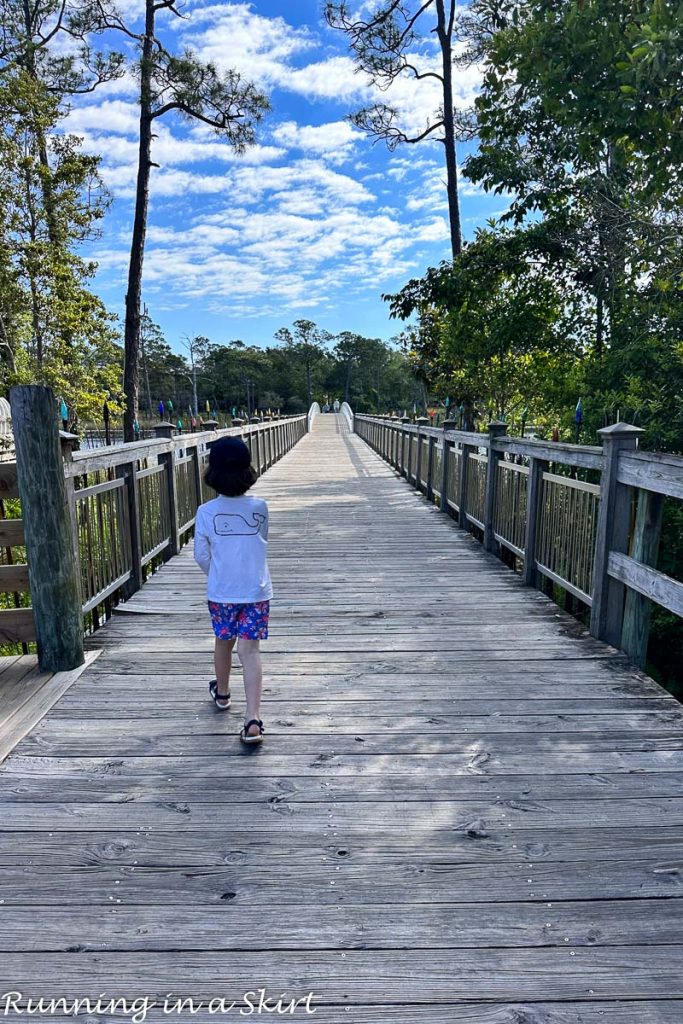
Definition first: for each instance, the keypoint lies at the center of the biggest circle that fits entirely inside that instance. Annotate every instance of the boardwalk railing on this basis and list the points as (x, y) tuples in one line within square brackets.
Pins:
[(16, 620), (597, 539), (128, 508)]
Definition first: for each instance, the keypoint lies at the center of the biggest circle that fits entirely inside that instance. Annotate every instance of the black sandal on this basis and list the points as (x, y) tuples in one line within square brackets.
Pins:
[(244, 735), (216, 696)]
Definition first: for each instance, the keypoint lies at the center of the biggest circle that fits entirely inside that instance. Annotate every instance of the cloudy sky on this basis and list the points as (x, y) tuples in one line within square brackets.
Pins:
[(314, 221)]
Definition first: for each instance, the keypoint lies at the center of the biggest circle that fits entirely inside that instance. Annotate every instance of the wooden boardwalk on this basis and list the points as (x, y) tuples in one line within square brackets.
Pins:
[(465, 810)]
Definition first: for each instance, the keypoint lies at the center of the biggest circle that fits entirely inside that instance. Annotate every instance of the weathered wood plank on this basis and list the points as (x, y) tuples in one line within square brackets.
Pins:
[(11, 532), (291, 815), (649, 582), (58, 787), (653, 471), (597, 765), (13, 577), (31, 711), (628, 1011), (203, 719), (228, 845), (429, 976), (17, 625), (85, 739), (357, 926)]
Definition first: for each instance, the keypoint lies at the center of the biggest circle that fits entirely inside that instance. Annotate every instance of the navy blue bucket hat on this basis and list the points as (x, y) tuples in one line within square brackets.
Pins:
[(229, 453)]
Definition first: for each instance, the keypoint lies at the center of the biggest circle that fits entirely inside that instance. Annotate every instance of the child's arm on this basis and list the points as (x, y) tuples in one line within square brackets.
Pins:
[(202, 550), (263, 529)]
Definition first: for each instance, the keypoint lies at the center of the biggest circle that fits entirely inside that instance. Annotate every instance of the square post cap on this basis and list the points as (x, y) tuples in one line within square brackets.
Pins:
[(620, 432), (68, 442), (164, 429), (497, 429), (211, 424)]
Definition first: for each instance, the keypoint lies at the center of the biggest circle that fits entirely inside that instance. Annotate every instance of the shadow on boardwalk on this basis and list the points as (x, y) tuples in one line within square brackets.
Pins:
[(465, 808)]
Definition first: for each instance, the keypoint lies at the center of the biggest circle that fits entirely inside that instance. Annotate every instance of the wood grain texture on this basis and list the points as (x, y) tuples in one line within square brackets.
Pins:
[(17, 625), (465, 810), (52, 568)]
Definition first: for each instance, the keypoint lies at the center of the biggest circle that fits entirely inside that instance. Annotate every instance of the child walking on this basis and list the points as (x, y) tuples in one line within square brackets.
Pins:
[(230, 545)]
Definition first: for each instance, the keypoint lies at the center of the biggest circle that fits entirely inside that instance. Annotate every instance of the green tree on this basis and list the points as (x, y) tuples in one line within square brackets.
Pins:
[(306, 345), (558, 133), (54, 330), (494, 328)]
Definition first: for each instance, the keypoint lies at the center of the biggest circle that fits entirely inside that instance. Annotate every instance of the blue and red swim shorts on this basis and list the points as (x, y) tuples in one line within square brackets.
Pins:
[(246, 620)]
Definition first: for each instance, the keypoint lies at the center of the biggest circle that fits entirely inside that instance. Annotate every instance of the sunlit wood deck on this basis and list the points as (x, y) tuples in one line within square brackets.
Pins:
[(466, 809)]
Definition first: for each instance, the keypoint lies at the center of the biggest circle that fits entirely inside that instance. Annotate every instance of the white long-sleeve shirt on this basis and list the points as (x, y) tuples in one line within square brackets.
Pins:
[(230, 545)]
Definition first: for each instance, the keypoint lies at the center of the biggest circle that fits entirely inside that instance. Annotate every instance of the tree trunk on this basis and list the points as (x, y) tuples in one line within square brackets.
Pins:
[(131, 360), (195, 401), (445, 35), (145, 366), (41, 142)]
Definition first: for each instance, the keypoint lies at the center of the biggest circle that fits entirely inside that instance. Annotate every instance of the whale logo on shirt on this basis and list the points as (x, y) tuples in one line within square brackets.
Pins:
[(234, 525)]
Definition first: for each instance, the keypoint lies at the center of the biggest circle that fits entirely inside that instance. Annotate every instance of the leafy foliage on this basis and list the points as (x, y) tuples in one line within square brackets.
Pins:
[(53, 330)]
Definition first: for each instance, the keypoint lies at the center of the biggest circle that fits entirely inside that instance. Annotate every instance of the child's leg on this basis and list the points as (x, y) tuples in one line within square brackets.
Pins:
[(250, 656), (222, 659)]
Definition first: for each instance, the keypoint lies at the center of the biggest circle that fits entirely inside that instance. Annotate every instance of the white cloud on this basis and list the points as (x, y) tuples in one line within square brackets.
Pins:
[(235, 36), (105, 116), (334, 140), (298, 222)]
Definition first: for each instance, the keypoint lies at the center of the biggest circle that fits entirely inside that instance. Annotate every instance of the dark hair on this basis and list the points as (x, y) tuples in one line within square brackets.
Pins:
[(230, 481)]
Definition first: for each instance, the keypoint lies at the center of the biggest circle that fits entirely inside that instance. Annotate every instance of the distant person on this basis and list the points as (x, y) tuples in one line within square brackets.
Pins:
[(336, 405), (230, 545)]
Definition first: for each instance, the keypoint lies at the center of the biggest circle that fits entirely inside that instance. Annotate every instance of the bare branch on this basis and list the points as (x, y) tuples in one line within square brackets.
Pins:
[(169, 5), (380, 121), (422, 74), (221, 122)]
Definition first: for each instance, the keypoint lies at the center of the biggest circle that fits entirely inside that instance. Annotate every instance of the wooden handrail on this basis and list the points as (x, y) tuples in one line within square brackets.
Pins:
[(119, 511), (587, 533)]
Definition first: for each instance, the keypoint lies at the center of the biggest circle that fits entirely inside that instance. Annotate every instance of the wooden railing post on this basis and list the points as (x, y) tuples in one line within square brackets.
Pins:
[(537, 468), (167, 459), (128, 472), (495, 430), (644, 548), (196, 474), (607, 609), (52, 565)]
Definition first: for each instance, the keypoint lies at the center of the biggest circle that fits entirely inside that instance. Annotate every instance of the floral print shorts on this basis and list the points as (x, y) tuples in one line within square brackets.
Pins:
[(246, 620)]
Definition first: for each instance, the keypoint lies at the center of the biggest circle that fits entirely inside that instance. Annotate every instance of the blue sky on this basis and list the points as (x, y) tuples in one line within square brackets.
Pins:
[(314, 221)]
